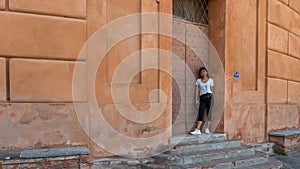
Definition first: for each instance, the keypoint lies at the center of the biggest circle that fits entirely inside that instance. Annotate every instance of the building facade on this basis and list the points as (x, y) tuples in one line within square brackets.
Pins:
[(57, 89)]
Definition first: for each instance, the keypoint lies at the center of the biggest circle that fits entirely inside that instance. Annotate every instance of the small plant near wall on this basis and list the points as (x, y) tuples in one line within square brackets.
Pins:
[(280, 151)]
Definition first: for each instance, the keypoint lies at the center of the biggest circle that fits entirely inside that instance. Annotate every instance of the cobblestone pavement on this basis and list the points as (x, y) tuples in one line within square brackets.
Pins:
[(292, 161)]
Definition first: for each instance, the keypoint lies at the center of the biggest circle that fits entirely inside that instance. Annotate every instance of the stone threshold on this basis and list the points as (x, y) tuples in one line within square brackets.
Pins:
[(287, 140), (285, 133), (44, 153)]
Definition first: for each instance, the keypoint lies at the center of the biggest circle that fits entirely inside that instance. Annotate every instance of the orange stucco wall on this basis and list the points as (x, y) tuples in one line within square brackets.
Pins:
[(261, 40), (283, 64), (216, 15), (43, 40)]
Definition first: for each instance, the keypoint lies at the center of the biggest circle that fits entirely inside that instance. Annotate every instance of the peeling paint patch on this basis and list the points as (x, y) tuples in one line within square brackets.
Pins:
[(54, 137), (26, 118), (149, 130), (35, 125)]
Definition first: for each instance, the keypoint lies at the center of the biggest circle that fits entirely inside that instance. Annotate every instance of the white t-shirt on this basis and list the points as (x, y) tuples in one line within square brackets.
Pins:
[(205, 87)]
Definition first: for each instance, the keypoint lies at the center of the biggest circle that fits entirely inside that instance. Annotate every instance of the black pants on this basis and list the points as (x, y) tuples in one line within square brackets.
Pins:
[(206, 104)]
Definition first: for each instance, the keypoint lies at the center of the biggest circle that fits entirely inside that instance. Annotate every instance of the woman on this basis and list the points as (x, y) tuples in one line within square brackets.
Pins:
[(204, 83)]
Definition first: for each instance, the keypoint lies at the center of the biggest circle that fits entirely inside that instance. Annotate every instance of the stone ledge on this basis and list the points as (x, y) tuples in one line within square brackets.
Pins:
[(44, 153), (17, 162), (285, 133), (187, 138), (288, 140), (119, 161)]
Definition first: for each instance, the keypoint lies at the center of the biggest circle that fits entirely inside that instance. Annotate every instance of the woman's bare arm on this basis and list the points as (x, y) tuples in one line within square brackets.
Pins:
[(197, 95)]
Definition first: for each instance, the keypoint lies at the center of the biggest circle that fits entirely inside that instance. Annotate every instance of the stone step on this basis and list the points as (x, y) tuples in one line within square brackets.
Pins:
[(68, 157), (44, 152), (196, 147), (271, 164), (264, 147), (285, 133), (118, 162), (286, 139), (237, 162), (159, 166), (196, 138), (202, 156)]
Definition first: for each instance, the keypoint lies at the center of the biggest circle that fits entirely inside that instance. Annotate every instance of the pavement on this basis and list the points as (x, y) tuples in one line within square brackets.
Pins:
[(291, 161)]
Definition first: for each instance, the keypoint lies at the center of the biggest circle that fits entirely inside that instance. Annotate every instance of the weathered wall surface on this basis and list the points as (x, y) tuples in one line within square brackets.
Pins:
[(38, 54), (262, 41), (142, 84), (41, 44), (216, 15), (283, 64), (245, 47)]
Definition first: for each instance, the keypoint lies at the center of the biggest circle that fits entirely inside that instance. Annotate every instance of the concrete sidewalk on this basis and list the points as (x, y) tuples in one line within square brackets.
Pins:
[(292, 161)]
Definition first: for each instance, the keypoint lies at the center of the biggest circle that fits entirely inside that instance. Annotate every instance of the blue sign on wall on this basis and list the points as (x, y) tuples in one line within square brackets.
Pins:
[(236, 75)]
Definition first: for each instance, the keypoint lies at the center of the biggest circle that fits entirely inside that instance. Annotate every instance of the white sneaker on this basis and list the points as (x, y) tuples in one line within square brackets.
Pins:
[(207, 131), (196, 132)]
